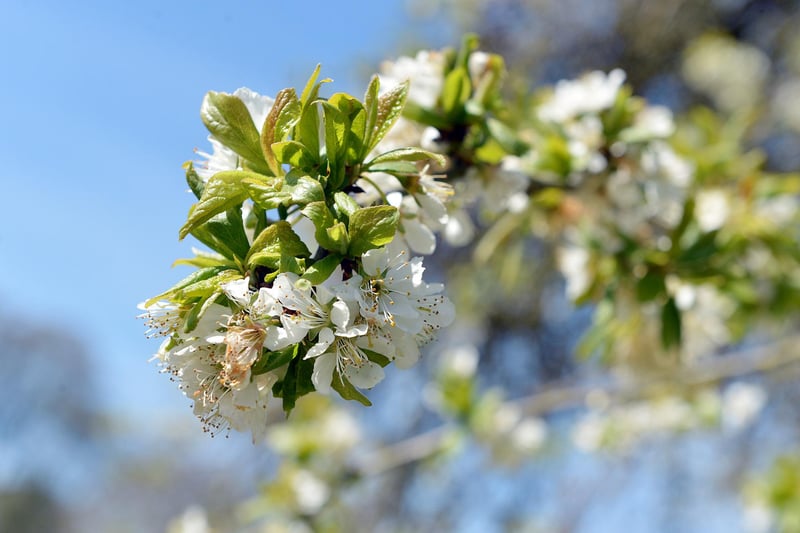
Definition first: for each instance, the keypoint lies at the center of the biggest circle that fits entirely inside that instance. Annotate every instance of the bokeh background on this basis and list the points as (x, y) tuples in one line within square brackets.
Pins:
[(100, 109)]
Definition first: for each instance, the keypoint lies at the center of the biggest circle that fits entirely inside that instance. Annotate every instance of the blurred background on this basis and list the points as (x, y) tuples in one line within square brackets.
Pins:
[(101, 109)]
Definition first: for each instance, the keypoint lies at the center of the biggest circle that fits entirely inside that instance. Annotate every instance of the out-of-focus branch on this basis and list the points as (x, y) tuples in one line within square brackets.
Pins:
[(771, 357)]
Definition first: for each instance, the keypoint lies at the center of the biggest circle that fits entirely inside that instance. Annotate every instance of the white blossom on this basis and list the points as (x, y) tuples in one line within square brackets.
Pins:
[(594, 92)]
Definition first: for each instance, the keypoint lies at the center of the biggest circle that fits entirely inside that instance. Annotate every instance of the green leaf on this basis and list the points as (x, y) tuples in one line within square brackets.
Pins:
[(228, 229), (344, 204), (331, 239), (397, 168), (273, 244), (273, 360), (266, 192), (506, 137), (223, 191), (347, 391), (303, 189), (344, 135), (204, 235), (194, 277), (650, 286), (198, 310), (311, 89), (456, 92), (389, 108), (229, 120), (405, 154), (296, 383), (205, 259), (322, 269), (701, 251), (206, 287), (429, 117), (371, 99), (334, 145), (352, 111), (379, 358), (195, 182), (670, 325), (372, 227), (278, 125), (338, 235), (295, 154)]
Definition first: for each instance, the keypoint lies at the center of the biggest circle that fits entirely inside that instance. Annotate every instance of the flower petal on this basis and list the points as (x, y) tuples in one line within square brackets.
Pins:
[(324, 340), (323, 372), (365, 376)]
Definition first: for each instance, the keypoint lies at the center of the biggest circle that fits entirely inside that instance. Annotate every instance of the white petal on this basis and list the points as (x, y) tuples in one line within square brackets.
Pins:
[(407, 351), (340, 315), (365, 376), (324, 340), (459, 230), (323, 372), (375, 261), (356, 331), (238, 291), (279, 338), (265, 304), (377, 343), (420, 238), (433, 207)]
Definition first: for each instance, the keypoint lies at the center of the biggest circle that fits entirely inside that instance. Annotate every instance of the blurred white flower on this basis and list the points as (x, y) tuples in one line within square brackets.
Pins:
[(712, 209), (460, 360), (741, 404), (310, 492), (592, 93), (529, 435), (425, 72), (192, 520)]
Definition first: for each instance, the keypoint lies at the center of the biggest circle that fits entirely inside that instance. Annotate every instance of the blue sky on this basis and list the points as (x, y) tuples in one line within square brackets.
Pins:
[(100, 109)]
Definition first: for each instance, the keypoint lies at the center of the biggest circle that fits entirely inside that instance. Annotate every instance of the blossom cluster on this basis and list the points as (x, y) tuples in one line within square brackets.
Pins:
[(310, 286)]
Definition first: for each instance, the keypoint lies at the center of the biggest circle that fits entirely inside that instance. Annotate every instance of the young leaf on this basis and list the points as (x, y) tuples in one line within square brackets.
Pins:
[(456, 92), (296, 383), (195, 182), (405, 154), (274, 360), (194, 277), (670, 324), (344, 204), (371, 100), (347, 391), (228, 228), (275, 243), (282, 117), (323, 219), (322, 269), (229, 120), (390, 107), (198, 310), (650, 286), (265, 192), (372, 227), (303, 189), (506, 137), (223, 191), (294, 154), (206, 287)]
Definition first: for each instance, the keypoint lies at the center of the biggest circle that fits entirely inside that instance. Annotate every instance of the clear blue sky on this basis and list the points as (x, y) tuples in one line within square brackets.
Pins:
[(100, 107)]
